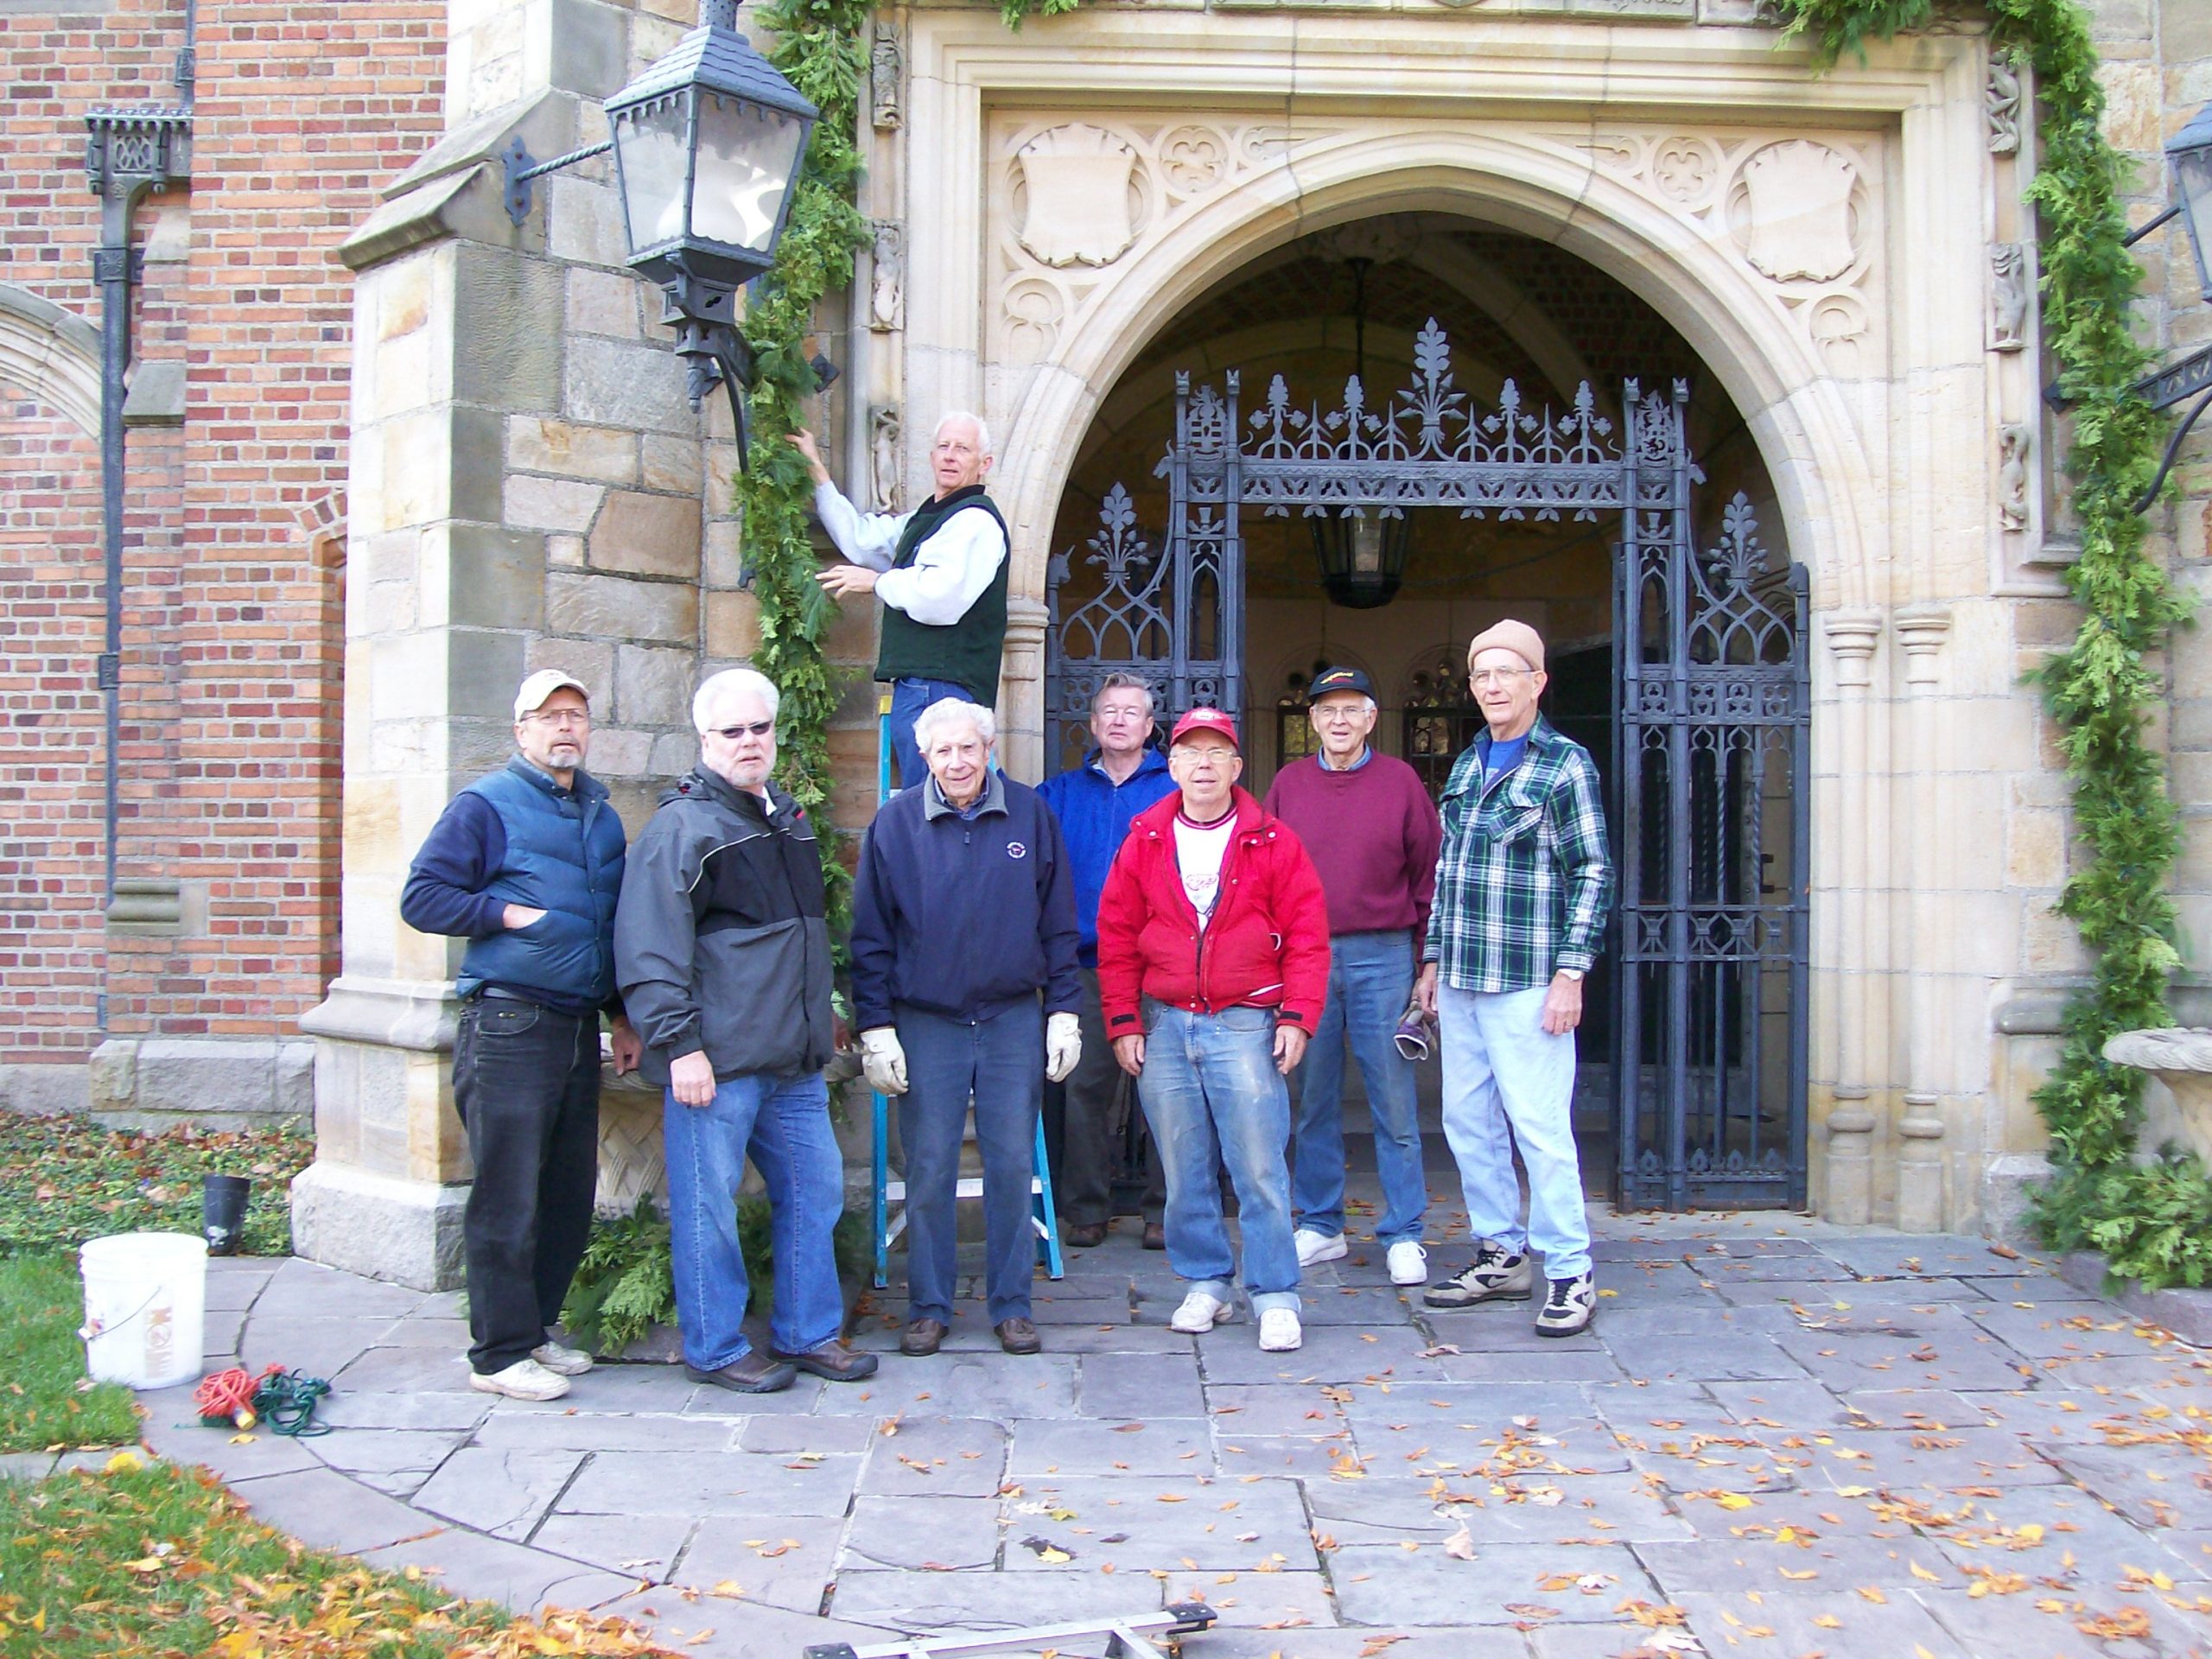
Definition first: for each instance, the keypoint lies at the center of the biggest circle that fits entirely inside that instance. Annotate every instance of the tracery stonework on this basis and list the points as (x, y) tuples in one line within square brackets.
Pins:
[(1078, 194)]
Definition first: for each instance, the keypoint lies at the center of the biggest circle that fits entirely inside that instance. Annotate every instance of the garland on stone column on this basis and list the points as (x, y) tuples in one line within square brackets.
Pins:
[(2154, 1222)]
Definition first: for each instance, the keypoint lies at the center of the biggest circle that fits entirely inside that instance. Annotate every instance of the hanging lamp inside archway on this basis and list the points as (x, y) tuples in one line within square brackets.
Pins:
[(1362, 551)]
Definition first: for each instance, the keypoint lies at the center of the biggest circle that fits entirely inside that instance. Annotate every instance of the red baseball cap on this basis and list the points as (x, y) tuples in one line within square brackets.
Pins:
[(1205, 720)]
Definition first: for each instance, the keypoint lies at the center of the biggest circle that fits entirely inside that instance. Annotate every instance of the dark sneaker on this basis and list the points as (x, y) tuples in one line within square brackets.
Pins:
[(1018, 1335), (1496, 1275), (1568, 1305), (1155, 1236), (833, 1360), (757, 1373), (1085, 1236), (920, 1339)]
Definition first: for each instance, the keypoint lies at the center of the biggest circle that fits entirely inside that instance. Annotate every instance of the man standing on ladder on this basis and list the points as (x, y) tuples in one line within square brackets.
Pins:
[(965, 986), (1095, 802), (941, 573), (1520, 896)]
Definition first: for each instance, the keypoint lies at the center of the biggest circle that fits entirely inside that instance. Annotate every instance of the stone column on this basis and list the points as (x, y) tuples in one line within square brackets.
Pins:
[(1848, 1175), (1921, 632), (1021, 691), (524, 492)]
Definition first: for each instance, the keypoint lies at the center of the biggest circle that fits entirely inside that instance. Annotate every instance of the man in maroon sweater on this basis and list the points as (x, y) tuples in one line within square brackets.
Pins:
[(1373, 835)]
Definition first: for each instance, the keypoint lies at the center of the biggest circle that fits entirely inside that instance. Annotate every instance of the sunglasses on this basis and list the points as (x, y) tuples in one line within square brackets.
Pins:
[(756, 728)]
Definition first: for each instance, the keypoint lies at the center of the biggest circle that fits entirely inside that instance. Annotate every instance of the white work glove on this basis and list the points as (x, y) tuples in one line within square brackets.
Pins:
[(1063, 1046), (884, 1061)]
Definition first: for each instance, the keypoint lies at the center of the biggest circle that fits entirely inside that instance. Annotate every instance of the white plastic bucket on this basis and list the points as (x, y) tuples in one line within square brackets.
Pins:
[(145, 1307)]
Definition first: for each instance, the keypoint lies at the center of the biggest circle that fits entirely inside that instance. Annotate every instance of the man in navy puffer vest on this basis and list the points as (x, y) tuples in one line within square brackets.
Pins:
[(526, 865)]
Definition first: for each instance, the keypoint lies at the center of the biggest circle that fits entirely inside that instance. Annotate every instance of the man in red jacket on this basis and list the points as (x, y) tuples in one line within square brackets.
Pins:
[(1213, 966)]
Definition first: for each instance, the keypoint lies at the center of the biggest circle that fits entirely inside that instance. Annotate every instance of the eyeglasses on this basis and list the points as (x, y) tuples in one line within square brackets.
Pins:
[(756, 728), (560, 717), (1497, 677), (1336, 711)]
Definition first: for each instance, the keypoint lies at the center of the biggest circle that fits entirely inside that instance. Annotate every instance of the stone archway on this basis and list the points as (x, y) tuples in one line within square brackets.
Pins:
[(53, 353)]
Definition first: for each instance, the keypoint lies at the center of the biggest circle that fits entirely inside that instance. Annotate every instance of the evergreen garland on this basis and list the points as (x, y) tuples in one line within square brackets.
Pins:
[(2154, 1222)]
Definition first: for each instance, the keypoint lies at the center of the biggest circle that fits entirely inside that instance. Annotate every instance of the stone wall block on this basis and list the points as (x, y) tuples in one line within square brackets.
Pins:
[(672, 464), (495, 578), (723, 557), (616, 607), (604, 302), (647, 535), (674, 754), (653, 688), (532, 503), (638, 388), (590, 46), (536, 443), (506, 356), (733, 627), (583, 223), (112, 1075), (591, 661), (621, 752), (484, 667), (478, 464)]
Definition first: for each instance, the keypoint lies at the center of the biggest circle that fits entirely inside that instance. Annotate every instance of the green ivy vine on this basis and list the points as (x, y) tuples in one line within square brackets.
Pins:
[(2153, 1222)]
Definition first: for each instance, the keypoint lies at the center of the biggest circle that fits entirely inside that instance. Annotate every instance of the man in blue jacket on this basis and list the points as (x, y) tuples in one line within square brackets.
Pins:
[(963, 919), (526, 865), (1095, 803)]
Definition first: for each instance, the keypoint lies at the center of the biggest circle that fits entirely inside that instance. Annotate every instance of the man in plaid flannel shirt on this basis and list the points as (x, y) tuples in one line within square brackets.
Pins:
[(1521, 893)]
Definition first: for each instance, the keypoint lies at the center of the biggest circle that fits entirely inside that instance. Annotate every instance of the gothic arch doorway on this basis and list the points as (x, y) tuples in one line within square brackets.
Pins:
[(1700, 723)]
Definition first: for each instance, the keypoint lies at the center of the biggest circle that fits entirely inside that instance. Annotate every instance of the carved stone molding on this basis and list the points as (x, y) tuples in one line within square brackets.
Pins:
[(1797, 204), (1076, 207), (1852, 636), (1921, 632)]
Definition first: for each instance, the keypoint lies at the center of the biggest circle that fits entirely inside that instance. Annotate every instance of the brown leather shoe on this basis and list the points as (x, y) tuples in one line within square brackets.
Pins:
[(920, 1339), (757, 1373), (1155, 1236), (833, 1360), (1085, 1236), (1018, 1335)]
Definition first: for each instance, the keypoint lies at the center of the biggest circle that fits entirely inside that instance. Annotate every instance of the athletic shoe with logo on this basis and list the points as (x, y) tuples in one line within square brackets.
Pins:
[(1409, 1263), (1496, 1275), (1568, 1305)]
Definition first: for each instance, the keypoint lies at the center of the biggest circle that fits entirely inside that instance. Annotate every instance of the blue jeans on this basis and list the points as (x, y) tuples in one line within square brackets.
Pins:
[(1000, 1062), (784, 1123), (908, 699), (1213, 1097), (1508, 1082), (1370, 981)]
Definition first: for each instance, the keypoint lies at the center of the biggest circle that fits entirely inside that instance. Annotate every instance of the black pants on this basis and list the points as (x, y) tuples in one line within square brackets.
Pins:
[(1095, 1095), (525, 1079)]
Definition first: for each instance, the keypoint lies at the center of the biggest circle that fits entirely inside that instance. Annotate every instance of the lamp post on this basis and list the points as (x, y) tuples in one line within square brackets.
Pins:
[(2190, 152), (707, 142)]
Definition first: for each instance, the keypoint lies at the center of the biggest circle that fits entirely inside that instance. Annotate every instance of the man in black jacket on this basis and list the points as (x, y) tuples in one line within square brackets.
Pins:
[(963, 915), (721, 946)]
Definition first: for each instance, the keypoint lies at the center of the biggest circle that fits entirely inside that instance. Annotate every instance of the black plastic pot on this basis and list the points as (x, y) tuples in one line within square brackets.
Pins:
[(222, 1211)]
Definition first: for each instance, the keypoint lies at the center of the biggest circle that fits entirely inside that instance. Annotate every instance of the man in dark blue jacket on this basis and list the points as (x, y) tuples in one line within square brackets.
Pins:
[(1095, 803), (963, 915), (526, 865)]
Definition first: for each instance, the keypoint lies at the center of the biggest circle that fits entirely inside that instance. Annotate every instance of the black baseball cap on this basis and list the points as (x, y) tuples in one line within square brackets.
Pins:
[(1338, 679)]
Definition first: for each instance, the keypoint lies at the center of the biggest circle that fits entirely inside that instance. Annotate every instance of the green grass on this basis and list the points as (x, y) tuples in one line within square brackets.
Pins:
[(43, 1399), (66, 1179), (158, 1561)]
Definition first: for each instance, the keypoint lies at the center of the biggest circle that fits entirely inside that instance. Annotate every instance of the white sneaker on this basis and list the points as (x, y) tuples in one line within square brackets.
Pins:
[(562, 1361), (1318, 1246), (1279, 1332), (523, 1380), (1201, 1310), (1409, 1263)]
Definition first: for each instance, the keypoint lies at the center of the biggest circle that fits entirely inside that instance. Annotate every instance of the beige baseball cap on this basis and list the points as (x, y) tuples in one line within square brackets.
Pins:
[(543, 684), (1515, 636)]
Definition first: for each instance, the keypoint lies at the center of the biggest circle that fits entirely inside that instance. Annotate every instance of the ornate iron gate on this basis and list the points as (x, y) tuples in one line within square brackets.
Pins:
[(1708, 789)]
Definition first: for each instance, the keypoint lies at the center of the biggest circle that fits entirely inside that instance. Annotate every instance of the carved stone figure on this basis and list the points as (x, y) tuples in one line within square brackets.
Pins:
[(884, 68), (2000, 103), (883, 456), (887, 302), (2012, 477), (2008, 297)]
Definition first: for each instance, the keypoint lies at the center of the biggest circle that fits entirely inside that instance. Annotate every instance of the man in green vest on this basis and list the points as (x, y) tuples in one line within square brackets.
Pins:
[(941, 573)]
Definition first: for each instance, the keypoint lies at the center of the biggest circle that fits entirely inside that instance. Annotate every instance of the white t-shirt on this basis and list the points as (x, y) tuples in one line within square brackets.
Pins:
[(1199, 851)]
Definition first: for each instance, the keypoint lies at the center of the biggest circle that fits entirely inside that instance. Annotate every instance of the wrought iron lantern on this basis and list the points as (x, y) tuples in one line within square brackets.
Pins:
[(707, 143), (1361, 550), (2190, 151)]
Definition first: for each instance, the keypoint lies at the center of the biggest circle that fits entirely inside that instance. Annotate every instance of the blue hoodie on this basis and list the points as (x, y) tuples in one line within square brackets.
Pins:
[(1095, 814)]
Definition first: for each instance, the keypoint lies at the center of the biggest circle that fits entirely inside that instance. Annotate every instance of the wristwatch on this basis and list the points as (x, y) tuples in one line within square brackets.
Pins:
[(1573, 975)]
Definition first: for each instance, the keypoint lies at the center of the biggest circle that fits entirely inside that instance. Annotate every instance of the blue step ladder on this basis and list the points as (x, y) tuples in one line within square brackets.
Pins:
[(889, 1191)]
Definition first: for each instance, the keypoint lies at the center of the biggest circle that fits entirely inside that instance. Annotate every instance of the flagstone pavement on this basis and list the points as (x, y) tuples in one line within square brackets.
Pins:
[(1780, 1438)]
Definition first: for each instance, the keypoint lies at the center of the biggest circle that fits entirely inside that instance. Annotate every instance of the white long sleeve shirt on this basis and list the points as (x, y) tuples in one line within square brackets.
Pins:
[(950, 570)]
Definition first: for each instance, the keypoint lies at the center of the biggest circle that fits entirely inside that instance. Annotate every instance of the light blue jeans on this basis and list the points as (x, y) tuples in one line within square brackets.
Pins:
[(908, 699), (784, 1123), (1508, 1082), (1213, 1097), (1370, 980)]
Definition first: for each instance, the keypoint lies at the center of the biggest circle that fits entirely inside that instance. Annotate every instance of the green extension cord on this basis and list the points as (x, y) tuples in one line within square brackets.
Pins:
[(286, 1402)]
